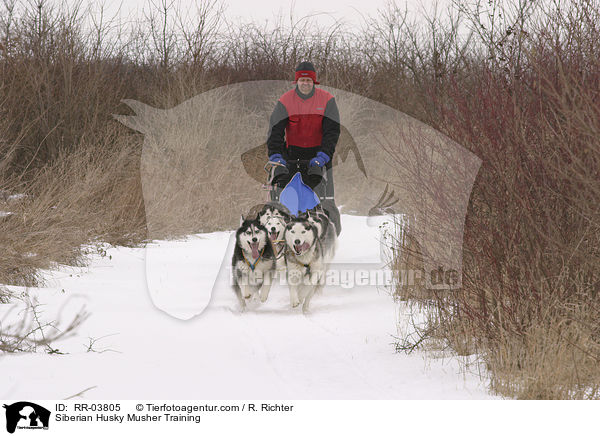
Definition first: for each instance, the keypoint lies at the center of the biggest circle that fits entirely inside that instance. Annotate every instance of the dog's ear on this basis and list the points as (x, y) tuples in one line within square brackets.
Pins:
[(242, 219)]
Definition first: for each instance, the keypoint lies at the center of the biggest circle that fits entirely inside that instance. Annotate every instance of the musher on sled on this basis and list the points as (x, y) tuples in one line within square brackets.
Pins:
[(303, 131)]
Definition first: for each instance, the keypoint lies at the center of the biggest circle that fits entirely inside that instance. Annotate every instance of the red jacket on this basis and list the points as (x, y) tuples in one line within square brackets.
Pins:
[(305, 124), (309, 122)]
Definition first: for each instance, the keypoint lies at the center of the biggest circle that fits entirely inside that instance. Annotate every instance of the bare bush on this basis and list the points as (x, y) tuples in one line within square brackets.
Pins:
[(531, 266), (30, 332)]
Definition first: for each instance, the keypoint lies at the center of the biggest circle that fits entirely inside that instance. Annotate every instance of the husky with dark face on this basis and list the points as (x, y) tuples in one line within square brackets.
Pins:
[(325, 228), (253, 262), (304, 261)]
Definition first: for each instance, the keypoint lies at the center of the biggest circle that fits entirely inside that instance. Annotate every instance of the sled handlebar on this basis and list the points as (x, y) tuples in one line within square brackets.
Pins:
[(270, 164), (299, 161), (275, 169)]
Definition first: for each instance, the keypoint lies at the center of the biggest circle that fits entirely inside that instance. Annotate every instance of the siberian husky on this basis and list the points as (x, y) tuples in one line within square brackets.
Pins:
[(275, 226), (273, 209), (325, 229), (253, 262), (304, 261)]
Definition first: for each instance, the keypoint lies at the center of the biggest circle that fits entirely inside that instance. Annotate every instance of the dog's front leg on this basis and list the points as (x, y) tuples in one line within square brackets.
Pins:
[(294, 299), (309, 295), (238, 294), (314, 286), (266, 286), (294, 278), (246, 291), (247, 285)]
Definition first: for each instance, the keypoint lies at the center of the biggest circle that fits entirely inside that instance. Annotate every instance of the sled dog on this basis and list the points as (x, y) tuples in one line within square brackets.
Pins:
[(253, 262), (304, 261), (275, 226), (325, 230), (273, 209)]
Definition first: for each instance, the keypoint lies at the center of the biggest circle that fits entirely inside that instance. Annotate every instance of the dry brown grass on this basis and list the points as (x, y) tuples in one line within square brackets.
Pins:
[(86, 196)]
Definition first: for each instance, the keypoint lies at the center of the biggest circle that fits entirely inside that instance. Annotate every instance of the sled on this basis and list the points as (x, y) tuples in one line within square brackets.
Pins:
[(297, 195)]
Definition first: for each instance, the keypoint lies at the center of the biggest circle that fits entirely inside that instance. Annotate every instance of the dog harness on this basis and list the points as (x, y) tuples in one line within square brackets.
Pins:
[(305, 265), (279, 246), (279, 252), (253, 265)]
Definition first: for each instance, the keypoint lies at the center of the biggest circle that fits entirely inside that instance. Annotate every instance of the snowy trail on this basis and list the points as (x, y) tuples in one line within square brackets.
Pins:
[(343, 349)]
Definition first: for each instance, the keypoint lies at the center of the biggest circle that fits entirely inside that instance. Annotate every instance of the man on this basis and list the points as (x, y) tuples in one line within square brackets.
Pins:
[(305, 125)]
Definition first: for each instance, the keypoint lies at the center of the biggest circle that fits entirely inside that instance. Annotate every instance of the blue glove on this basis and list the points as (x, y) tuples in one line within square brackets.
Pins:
[(277, 158), (320, 160)]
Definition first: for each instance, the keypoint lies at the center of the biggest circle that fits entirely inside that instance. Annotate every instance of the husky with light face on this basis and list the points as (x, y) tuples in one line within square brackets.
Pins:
[(304, 261), (275, 226), (253, 262)]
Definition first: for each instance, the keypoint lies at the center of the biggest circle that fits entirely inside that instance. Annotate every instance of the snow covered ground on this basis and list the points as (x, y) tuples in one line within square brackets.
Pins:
[(165, 324)]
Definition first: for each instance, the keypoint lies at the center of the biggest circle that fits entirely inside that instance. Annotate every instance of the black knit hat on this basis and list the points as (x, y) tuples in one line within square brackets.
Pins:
[(306, 69), (305, 66)]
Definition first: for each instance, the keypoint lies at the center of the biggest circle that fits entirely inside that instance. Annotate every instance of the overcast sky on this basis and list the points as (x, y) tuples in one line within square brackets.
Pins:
[(261, 11), (348, 10)]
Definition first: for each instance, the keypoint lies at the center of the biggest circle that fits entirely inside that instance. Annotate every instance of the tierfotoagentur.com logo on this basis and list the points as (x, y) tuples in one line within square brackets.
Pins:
[(26, 415)]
